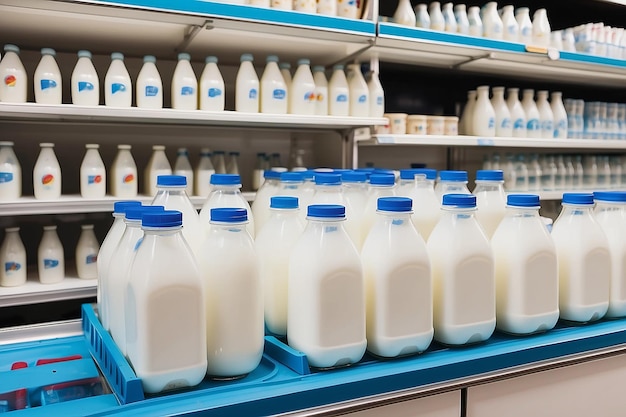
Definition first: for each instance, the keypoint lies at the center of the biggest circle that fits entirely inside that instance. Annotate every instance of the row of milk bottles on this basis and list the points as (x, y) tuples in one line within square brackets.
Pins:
[(341, 8), (50, 256), (514, 118)]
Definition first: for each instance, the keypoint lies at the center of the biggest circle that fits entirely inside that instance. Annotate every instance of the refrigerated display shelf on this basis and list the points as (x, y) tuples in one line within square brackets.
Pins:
[(33, 292)]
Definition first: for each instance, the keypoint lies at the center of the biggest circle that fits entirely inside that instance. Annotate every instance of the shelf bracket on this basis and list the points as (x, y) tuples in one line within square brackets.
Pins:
[(458, 65), (190, 33)]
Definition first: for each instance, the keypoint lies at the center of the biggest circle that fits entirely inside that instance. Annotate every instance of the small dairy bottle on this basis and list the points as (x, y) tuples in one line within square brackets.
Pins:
[(509, 24), (419, 185), (285, 70), (165, 307), (464, 288), (302, 91), (273, 88), (466, 125), (327, 7), (247, 86), (212, 90), (546, 117), (326, 293), (233, 163), (85, 82), (475, 22), (451, 182), (259, 169), (492, 24), (226, 192), (282, 4), (124, 173), (149, 85), (422, 19), (522, 15), (518, 115), (182, 166), (219, 162), (12, 259), (484, 116), (533, 123), (347, 8), (541, 28), (610, 213), (157, 165), (118, 87), (47, 174), (203, 172), (584, 258), (504, 126), (490, 199), (86, 255), (359, 92), (184, 85), (338, 93), (462, 21), (48, 84), (376, 96), (261, 204), (398, 283), (10, 173), (50, 258), (527, 280), (380, 185), (560, 115), (292, 184), (321, 90), (92, 174), (449, 18), (14, 85), (437, 21), (404, 14)]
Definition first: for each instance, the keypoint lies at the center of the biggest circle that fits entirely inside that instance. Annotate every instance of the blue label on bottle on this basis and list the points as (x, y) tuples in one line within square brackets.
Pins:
[(85, 86), (506, 123), (253, 93), (50, 263), (45, 84), (492, 123), (380, 101), (362, 98), (152, 90), (532, 124), (215, 92), (309, 96), (342, 98), (94, 179), (546, 125), (6, 177), (12, 267), (186, 91), (526, 31), (91, 259), (279, 94), (117, 88), (518, 124)]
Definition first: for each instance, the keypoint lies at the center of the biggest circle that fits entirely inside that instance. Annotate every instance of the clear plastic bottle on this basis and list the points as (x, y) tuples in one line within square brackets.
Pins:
[(492, 24), (233, 163), (12, 259), (85, 82), (118, 86), (338, 93), (219, 162), (546, 117), (261, 204), (422, 19), (376, 96), (559, 114), (87, 250), (10, 173), (533, 123), (359, 92), (321, 90), (247, 86), (212, 90), (302, 90), (273, 88), (93, 176), (203, 173), (124, 174), (490, 199), (484, 116), (149, 85), (50, 258), (404, 14), (226, 192), (14, 85), (451, 182), (184, 85), (48, 84), (522, 15), (47, 174), (504, 126), (510, 25), (182, 166), (157, 165), (518, 115)]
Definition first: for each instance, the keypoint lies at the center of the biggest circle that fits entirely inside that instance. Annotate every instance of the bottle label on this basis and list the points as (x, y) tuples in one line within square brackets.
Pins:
[(252, 94), (85, 86), (215, 92), (152, 90), (91, 258), (94, 179), (187, 91), (279, 94), (320, 97), (342, 98), (46, 84), (10, 80), (380, 101), (309, 96), (128, 178), (512, 29), (11, 267), (518, 124), (533, 124), (506, 123), (6, 177), (47, 179), (547, 125), (117, 88), (362, 98), (492, 123), (50, 263), (526, 31)]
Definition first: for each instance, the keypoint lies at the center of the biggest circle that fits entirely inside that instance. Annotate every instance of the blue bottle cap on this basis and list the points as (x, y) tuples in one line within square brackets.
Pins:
[(48, 51), (459, 200), (319, 68), (9, 47), (284, 65), (489, 175), (382, 179), (327, 178), (117, 55), (171, 180), (246, 57), (395, 204), (166, 218), (211, 60), (270, 174), (308, 175), (229, 215), (225, 179), (407, 174), (613, 196), (291, 177), (121, 206), (453, 176), (150, 59), (353, 176), (431, 174), (83, 53), (523, 200), (284, 202), (578, 198), (327, 211), (304, 61), (184, 56), (136, 213), (271, 58)]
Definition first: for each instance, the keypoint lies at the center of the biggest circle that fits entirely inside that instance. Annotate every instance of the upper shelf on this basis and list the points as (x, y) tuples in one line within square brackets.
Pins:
[(33, 292)]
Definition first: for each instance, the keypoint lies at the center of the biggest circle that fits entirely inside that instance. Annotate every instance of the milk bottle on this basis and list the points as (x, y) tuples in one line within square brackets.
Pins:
[(292, 184), (381, 185), (87, 253), (355, 192), (50, 258), (92, 174), (157, 165), (233, 293), (14, 84), (504, 126), (610, 213), (518, 115), (376, 96), (285, 70), (546, 117), (226, 192), (273, 88), (437, 21), (149, 85), (261, 204), (421, 189), (451, 182), (475, 22), (463, 24), (463, 275), (527, 283), (584, 259), (492, 24), (541, 28), (404, 14), (484, 116), (510, 25), (321, 90), (522, 15), (325, 270), (182, 166), (48, 82), (219, 163), (47, 174), (449, 18), (247, 86), (302, 90), (85, 82), (560, 115), (118, 86), (203, 173), (10, 173), (233, 163), (306, 6), (398, 283), (422, 19), (124, 173), (259, 169), (327, 7), (338, 93), (165, 322), (490, 199), (533, 124), (184, 85), (466, 125), (347, 8), (12, 259), (212, 90), (359, 92)]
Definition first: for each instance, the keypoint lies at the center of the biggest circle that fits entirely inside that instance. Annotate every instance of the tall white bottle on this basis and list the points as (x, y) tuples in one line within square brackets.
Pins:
[(504, 126), (484, 116), (203, 172), (533, 124), (449, 18), (466, 125), (509, 24), (247, 86), (47, 174), (437, 21), (541, 28), (184, 85), (359, 92), (233, 163), (212, 90), (302, 91), (338, 93), (157, 165), (274, 97), (93, 176), (376, 96), (124, 174), (149, 85), (462, 21), (546, 117), (321, 90), (14, 85), (219, 162), (422, 19), (226, 192), (522, 15), (118, 87), (421, 190), (86, 255), (285, 70), (490, 199), (12, 259), (261, 204), (404, 14), (518, 115), (560, 115), (182, 166), (85, 82), (10, 173), (492, 24), (48, 84), (475, 22), (50, 258)]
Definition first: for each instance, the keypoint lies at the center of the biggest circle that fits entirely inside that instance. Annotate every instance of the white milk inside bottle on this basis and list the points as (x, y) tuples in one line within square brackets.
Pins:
[(212, 91), (546, 117), (259, 169), (398, 283), (302, 91), (14, 85), (118, 87), (203, 173), (50, 258), (560, 115), (466, 124), (93, 174), (325, 270), (527, 280), (381, 185), (233, 295), (149, 85), (87, 250), (518, 115), (124, 173), (184, 85), (321, 90), (338, 93), (292, 184), (584, 260), (462, 265), (347, 8), (247, 86), (451, 182), (419, 185), (10, 173), (359, 92), (484, 116), (12, 259), (165, 308), (355, 192), (490, 199), (85, 82), (273, 88), (48, 83), (182, 166), (261, 204), (226, 192), (504, 127), (47, 174), (157, 165), (376, 96), (533, 125)]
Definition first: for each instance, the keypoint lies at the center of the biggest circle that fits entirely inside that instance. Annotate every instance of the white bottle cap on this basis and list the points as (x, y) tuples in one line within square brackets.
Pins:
[(211, 60), (83, 53), (184, 56), (149, 58), (117, 55)]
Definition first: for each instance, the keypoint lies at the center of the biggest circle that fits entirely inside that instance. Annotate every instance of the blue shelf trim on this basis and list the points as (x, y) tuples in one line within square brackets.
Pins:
[(592, 59), (294, 360)]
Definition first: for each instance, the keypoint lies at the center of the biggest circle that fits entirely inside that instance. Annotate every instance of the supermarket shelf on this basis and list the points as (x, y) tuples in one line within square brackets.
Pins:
[(33, 292)]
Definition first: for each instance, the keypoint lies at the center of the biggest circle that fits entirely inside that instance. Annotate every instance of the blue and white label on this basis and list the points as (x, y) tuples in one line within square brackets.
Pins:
[(214, 92), (380, 101), (512, 29), (6, 177), (342, 98), (362, 98), (279, 94), (117, 88), (547, 125), (11, 267), (518, 124), (187, 91), (252, 94), (45, 84), (505, 123), (533, 124), (526, 31), (91, 258), (152, 90), (50, 263), (85, 86), (492, 123)]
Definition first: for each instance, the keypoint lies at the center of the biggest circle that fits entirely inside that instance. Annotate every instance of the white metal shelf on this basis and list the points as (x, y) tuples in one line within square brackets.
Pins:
[(33, 292)]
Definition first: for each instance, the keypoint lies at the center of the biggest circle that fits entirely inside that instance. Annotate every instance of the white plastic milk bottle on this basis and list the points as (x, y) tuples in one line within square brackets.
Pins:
[(381, 185), (157, 165), (546, 117), (451, 182), (212, 91), (359, 92), (560, 115), (484, 116), (184, 85), (149, 93), (398, 283), (47, 174), (610, 213), (165, 322), (376, 96), (273, 88), (14, 85), (93, 176), (233, 294), (12, 259), (355, 192), (490, 199), (274, 243), (247, 86), (118, 87), (584, 260), (421, 189), (527, 280), (261, 204), (203, 173), (326, 292), (124, 174), (504, 126), (86, 255), (321, 90), (302, 91), (533, 124), (10, 173), (226, 192), (292, 184), (463, 275), (182, 166), (48, 84), (338, 93), (518, 115), (50, 258), (85, 82), (285, 70)]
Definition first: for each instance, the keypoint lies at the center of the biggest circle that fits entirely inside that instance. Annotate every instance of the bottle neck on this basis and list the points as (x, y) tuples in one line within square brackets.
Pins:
[(456, 213), (171, 190), (513, 211), (489, 186), (162, 231), (222, 227), (576, 210)]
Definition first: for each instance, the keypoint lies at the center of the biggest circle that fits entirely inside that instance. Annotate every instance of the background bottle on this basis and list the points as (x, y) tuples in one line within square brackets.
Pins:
[(359, 92), (404, 14), (149, 85), (47, 174), (274, 97), (560, 115), (124, 174), (247, 86), (518, 115), (533, 126), (466, 125), (10, 173), (437, 21), (118, 86), (182, 166), (233, 163), (12, 259), (522, 15), (492, 24), (203, 173), (14, 85), (87, 253), (219, 162), (504, 127), (509, 24), (282, 4), (302, 90), (376, 96), (546, 118), (338, 93), (321, 91), (484, 117), (158, 165), (475, 22), (50, 258), (305, 6), (347, 8), (85, 81), (449, 18), (462, 21), (541, 28), (422, 19), (184, 85), (48, 83), (327, 7), (212, 91), (92, 174)]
